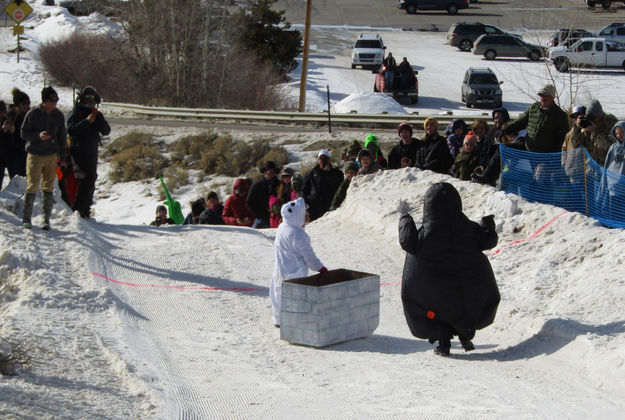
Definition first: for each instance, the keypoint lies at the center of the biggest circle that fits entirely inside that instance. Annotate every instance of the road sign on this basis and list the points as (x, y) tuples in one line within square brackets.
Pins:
[(18, 10), (18, 30)]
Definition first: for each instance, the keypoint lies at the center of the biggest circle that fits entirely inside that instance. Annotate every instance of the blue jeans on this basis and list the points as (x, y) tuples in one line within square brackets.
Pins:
[(260, 224), (389, 78), (404, 81)]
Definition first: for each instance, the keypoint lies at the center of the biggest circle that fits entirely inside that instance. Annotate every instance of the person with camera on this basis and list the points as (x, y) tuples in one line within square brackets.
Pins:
[(592, 130), (545, 122), (85, 126)]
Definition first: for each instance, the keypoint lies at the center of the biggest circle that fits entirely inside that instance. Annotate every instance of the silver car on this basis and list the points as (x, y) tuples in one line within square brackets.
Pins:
[(504, 45)]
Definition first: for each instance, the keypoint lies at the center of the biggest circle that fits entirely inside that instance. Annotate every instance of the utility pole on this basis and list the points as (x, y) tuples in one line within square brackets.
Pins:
[(304, 72)]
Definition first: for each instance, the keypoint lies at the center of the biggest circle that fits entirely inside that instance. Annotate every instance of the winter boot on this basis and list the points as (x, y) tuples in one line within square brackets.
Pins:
[(467, 344), (443, 347), (48, 203), (29, 200)]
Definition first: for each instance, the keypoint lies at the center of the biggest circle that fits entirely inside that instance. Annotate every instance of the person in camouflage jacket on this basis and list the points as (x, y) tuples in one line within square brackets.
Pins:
[(596, 136)]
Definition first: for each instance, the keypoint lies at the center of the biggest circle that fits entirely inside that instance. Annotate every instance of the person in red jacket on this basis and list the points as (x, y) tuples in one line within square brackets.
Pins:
[(235, 211)]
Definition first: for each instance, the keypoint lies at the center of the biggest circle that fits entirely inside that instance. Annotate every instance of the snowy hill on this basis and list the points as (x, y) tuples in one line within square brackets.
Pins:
[(124, 320)]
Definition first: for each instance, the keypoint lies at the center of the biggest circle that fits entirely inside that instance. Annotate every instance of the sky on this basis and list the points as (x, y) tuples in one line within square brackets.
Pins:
[(124, 320)]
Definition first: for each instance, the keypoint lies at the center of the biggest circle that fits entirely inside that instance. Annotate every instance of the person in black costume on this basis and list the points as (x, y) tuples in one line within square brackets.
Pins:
[(85, 126), (448, 286)]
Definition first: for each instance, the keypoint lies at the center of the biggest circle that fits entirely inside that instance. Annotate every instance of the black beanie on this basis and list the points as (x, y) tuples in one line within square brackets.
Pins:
[(48, 93), (19, 97)]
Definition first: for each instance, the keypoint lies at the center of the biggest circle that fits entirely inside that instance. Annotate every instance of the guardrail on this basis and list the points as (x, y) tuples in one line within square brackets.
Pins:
[(284, 117)]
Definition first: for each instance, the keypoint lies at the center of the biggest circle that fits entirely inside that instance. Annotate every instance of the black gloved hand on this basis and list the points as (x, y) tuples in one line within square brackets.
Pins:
[(488, 222)]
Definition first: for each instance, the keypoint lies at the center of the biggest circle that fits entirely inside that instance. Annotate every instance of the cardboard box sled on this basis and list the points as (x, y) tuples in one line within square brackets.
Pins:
[(322, 310)]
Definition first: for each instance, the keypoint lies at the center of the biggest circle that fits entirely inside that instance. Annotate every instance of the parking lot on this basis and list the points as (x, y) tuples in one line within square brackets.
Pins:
[(511, 14)]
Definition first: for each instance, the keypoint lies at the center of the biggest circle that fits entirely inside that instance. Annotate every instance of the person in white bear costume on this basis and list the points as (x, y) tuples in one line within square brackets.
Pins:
[(294, 253)]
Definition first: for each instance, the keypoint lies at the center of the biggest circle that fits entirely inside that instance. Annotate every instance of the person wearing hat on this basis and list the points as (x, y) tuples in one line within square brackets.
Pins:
[(433, 155), (545, 122), (283, 195), (573, 160), (353, 149), (320, 185), (161, 217), (235, 211), (85, 126), (372, 144), (351, 170), (258, 197), (592, 130), (403, 154), (212, 214), (457, 129), (17, 155), (46, 142), (468, 159), (611, 194)]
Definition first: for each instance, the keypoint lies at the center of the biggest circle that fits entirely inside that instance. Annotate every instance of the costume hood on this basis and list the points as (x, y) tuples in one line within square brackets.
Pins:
[(294, 212)]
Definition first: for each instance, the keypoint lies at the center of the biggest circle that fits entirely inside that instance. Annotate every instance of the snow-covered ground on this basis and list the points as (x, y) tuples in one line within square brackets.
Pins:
[(123, 320)]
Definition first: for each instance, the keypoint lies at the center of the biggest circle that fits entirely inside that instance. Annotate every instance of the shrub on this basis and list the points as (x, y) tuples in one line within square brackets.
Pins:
[(188, 150), (12, 355), (134, 138), (175, 176), (134, 157), (89, 59)]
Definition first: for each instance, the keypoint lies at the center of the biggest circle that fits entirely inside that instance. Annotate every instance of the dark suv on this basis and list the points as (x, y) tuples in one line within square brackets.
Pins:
[(568, 36), (452, 6), (480, 87), (464, 34)]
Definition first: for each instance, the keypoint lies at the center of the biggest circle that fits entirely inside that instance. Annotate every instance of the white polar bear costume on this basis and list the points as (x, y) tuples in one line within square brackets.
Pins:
[(294, 253)]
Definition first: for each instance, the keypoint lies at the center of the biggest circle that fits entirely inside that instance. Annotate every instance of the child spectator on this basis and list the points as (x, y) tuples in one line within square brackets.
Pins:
[(351, 170), (197, 207), (294, 253), (367, 165), (372, 145), (297, 181), (283, 196), (235, 211), (212, 214), (161, 217), (440, 299), (468, 159), (455, 140)]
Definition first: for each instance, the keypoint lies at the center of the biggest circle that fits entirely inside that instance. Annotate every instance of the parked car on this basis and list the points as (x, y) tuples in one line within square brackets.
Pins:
[(604, 3), (412, 93), (368, 51), (86, 7), (589, 53), (452, 6), (480, 87), (613, 32), (568, 35), (463, 34), (493, 46)]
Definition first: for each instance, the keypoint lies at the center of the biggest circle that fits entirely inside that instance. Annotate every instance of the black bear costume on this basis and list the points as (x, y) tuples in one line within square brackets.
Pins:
[(448, 285)]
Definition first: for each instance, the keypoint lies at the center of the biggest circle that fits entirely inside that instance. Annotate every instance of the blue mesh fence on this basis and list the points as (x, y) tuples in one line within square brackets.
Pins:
[(571, 180)]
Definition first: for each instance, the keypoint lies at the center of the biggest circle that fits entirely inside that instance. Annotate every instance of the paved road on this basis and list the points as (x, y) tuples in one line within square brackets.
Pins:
[(511, 14)]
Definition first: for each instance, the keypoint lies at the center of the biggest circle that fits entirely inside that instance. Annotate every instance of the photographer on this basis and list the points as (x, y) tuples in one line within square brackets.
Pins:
[(592, 130)]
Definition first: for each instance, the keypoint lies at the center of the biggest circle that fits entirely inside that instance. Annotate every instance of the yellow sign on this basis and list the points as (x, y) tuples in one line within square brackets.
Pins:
[(18, 10), (18, 30)]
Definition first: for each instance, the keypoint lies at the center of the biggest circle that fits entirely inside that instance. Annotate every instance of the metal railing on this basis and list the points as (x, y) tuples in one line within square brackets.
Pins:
[(283, 117)]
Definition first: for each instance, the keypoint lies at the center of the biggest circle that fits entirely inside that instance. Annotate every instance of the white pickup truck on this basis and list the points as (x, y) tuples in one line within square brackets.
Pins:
[(588, 52)]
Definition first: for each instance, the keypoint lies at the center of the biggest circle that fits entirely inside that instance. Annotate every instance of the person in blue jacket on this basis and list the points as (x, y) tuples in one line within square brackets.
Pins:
[(85, 125)]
